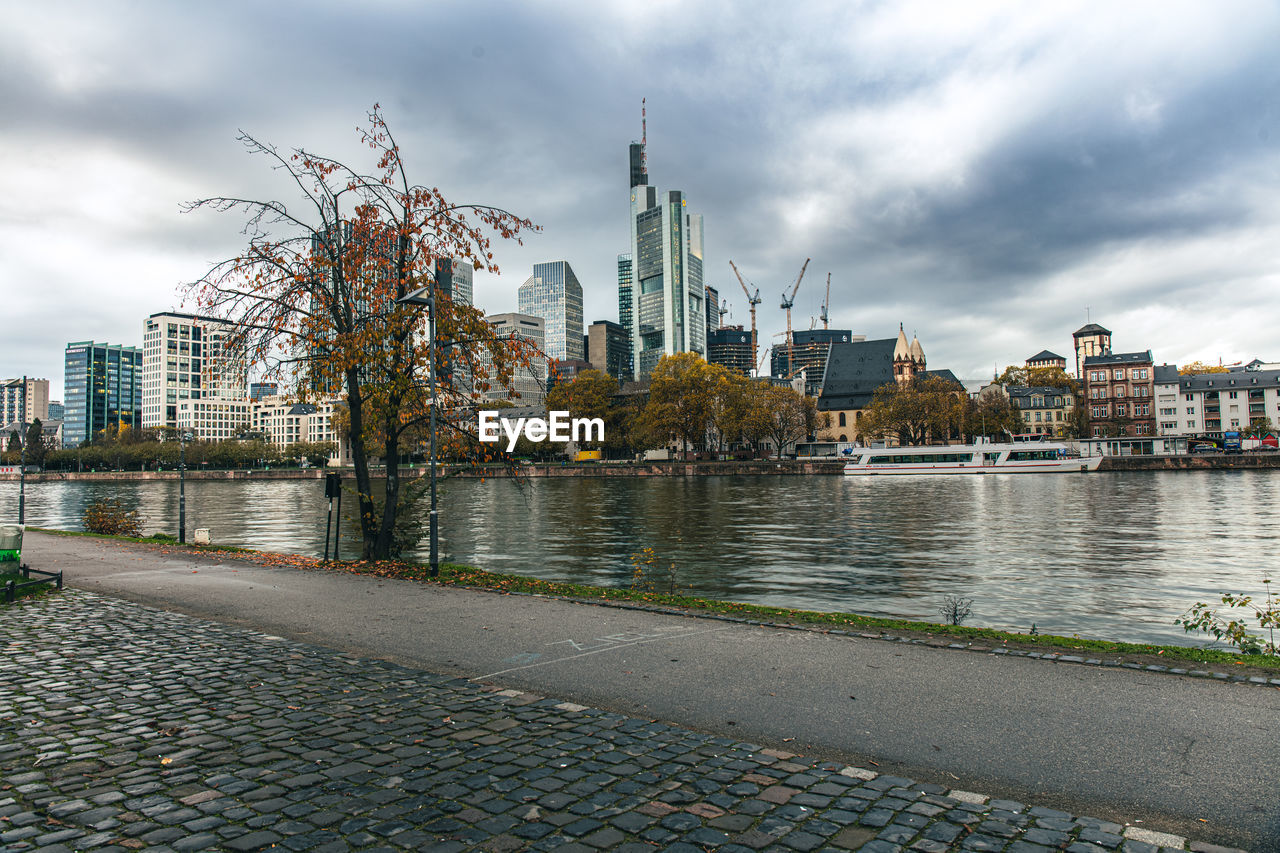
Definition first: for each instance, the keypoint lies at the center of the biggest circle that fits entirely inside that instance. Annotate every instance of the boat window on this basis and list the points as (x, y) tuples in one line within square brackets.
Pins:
[(920, 458), (1032, 455)]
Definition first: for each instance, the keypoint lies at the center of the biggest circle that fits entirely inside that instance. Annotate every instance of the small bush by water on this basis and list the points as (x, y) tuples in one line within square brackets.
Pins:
[(108, 517)]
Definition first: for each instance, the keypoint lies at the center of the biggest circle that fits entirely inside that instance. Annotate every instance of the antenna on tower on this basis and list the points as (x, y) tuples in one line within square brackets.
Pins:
[(644, 136)]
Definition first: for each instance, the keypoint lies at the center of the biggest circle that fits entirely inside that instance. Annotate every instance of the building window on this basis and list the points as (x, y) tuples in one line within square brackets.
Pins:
[(1119, 374), (842, 423)]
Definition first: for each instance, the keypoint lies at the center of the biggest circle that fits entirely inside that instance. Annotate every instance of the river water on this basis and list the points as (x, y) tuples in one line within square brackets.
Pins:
[(1111, 555)]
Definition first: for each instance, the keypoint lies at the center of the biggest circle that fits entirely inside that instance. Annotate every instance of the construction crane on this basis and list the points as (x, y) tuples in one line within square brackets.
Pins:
[(763, 358), (826, 302), (753, 301), (787, 302), (723, 309)]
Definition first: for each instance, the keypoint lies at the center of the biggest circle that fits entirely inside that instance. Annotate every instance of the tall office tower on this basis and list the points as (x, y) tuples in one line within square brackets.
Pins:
[(625, 312), (668, 299), (529, 383), (189, 358), (103, 388), (609, 349), (24, 400), (456, 279), (713, 309), (554, 294), (57, 411)]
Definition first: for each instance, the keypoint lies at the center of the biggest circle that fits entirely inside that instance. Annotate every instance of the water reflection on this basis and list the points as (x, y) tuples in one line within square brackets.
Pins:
[(1113, 555)]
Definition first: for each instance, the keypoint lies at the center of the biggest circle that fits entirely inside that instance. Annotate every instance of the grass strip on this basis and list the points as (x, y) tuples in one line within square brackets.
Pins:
[(470, 577)]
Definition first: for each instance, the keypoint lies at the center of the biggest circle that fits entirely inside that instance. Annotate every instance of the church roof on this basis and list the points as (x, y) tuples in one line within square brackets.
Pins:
[(854, 372), (901, 349), (917, 351)]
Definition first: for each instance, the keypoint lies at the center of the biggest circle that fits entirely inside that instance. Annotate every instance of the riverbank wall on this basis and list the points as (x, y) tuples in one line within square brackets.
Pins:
[(1245, 461), (1207, 462)]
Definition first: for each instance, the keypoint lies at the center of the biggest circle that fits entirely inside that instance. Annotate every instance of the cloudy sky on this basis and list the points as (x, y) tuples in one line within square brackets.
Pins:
[(988, 174)]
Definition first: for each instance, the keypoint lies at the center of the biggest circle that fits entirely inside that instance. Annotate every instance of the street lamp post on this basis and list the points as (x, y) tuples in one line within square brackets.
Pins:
[(183, 438), (22, 477), (426, 296)]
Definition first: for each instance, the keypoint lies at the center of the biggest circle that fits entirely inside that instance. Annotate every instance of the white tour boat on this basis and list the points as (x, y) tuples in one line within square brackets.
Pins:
[(982, 457)]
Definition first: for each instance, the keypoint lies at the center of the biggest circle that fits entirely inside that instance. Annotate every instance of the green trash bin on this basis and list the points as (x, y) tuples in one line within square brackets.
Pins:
[(10, 542)]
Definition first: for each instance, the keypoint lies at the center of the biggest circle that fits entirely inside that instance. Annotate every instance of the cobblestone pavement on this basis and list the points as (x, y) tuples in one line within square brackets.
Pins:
[(126, 728)]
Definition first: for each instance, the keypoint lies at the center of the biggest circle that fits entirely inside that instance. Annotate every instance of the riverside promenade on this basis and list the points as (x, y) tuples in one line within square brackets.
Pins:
[(228, 705)]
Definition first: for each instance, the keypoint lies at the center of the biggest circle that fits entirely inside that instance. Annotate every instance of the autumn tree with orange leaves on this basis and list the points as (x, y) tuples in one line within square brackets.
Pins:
[(313, 296)]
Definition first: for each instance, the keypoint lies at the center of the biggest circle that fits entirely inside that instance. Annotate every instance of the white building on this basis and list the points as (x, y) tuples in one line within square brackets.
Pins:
[(189, 358), (282, 422), (213, 419), (1211, 403), (530, 383)]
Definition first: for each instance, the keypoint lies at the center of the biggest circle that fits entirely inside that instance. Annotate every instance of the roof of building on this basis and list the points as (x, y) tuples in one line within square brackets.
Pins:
[(1165, 374), (1022, 397), (1045, 355), (854, 371), (1229, 381), (1091, 329), (945, 375), (822, 336), (1119, 358)]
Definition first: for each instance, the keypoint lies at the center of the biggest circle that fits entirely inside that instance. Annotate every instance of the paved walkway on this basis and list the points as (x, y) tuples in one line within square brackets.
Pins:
[(124, 727)]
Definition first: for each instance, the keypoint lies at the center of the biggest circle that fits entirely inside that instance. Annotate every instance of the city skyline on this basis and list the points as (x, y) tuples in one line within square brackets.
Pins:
[(994, 177)]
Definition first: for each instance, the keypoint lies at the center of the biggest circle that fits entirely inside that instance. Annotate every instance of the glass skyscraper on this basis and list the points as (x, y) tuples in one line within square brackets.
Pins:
[(554, 294), (667, 298), (102, 387)]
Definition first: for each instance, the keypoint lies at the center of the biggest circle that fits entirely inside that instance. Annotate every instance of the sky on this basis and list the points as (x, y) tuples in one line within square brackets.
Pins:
[(990, 175)]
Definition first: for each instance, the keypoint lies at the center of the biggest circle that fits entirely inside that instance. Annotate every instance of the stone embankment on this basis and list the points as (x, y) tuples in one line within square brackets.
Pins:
[(1208, 462)]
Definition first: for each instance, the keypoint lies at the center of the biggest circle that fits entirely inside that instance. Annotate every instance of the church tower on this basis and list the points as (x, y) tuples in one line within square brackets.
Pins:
[(904, 363)]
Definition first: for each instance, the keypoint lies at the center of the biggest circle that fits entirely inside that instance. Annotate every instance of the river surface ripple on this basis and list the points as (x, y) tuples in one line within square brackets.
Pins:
[(1111, 555)]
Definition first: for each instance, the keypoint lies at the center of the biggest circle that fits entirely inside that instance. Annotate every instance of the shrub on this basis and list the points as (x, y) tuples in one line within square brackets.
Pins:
[(956, 609), (108, 517), (1202, 617), (648, 575)]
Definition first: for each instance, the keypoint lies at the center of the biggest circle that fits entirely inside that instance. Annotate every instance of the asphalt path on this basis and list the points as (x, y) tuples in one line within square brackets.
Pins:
[(1190, 756)]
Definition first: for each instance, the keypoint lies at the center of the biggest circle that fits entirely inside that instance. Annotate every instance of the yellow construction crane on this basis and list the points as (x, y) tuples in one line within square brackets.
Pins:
[(753, 301), (787, 302)]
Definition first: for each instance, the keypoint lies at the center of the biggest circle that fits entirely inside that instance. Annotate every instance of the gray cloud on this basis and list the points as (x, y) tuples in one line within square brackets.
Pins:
[(980, 176)]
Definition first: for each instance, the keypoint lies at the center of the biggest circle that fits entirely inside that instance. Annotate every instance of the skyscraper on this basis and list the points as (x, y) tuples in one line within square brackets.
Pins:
[(625, 313), (554, 294), (188, 363), (667, 296), (102, 384), (456, 277)]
